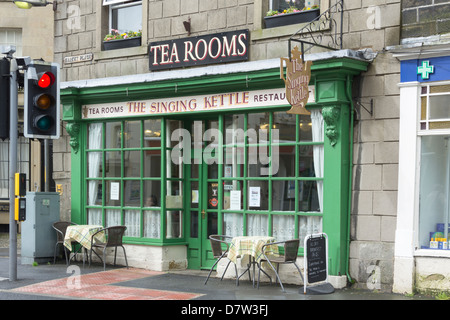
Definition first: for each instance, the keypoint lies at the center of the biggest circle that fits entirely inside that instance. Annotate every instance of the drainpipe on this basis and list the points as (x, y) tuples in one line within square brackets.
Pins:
[(350, 176)]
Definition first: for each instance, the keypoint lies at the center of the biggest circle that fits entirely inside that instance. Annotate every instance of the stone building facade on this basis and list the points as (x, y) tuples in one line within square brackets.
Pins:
[(34, 38), (370, 27)]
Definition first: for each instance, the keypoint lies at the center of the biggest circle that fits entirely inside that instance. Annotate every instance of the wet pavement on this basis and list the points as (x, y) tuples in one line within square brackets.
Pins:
[(50, 281)]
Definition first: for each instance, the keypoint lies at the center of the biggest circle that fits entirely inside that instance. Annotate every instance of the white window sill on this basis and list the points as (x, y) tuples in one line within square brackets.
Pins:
[(432, 253)]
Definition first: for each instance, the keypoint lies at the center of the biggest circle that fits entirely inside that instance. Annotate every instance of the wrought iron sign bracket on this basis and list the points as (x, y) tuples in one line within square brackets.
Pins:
[(325, 26)]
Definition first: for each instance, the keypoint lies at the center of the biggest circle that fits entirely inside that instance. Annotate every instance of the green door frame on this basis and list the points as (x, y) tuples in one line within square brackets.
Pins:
[(333, 82)]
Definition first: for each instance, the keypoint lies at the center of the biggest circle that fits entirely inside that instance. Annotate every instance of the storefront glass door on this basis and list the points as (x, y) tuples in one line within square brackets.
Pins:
[(203, 175)]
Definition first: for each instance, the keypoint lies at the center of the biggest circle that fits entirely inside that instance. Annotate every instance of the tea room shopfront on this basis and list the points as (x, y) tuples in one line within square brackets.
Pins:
[(176, 156)]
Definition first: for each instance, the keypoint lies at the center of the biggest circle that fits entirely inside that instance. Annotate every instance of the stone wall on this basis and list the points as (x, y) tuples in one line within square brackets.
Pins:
[(422, 18), (367, 25)]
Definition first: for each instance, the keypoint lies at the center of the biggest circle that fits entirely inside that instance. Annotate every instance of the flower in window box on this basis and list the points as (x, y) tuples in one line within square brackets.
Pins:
[(291, 15), (117, 40)]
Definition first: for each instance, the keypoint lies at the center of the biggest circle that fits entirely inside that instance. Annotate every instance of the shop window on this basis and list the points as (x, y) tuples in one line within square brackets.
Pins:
[(434, 206), (123, 176)]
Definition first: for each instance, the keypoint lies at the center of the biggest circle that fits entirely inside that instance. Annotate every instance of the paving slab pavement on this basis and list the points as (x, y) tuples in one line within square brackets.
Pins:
[(59, 282)]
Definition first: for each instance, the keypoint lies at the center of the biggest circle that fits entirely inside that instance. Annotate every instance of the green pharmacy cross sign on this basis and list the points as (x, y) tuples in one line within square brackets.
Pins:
[(425, 69)]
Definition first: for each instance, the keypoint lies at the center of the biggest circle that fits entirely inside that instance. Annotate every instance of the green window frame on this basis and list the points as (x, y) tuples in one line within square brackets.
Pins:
[(117, 178), (294, 182)]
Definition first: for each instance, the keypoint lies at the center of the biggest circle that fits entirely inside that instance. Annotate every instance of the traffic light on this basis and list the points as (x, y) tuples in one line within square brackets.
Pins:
[(4, 98), (42, 113)]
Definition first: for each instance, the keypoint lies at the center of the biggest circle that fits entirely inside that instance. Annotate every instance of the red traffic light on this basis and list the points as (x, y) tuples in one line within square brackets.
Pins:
[(46, 79)]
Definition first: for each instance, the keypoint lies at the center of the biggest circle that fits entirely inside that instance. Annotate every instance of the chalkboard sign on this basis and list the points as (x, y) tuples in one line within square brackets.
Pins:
[(316, 258)]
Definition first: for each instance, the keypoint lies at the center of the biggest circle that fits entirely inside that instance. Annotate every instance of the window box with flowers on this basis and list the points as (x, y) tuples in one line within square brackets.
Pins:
[(117, 40), (292, 15)]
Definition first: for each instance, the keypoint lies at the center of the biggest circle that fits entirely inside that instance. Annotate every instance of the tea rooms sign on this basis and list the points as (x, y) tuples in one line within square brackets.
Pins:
[(194, 51)]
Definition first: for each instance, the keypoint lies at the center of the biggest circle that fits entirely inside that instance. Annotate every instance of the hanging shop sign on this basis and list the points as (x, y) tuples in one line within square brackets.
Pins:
[(202, 103), (194, 51), (298, 75)]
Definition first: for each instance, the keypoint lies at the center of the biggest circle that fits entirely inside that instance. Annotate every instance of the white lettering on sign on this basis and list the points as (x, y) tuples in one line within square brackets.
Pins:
[(223, 101)]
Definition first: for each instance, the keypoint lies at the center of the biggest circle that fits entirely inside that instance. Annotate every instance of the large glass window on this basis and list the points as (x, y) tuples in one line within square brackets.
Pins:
[(273, 174), (123, 174), (434, 206), (270, 180)]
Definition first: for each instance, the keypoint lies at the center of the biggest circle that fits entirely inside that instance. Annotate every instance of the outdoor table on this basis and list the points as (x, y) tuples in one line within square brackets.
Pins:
[(251, 246), (83, 234)]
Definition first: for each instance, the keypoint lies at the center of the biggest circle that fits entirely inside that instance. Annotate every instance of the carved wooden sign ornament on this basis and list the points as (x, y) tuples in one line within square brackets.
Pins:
[(298, 75)]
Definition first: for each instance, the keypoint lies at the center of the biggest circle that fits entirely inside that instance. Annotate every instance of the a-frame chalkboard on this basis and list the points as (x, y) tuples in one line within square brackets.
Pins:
[(316, 259)]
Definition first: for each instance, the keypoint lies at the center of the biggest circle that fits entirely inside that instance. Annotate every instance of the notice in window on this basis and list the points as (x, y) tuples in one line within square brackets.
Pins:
[(235, 200), (255, 197), (115, 191)]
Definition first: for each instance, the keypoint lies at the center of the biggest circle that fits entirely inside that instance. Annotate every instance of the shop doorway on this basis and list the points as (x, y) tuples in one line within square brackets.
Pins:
[(202, 175)]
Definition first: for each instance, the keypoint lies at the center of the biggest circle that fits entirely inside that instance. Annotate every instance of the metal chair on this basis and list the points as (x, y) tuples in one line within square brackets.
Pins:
[(218, 253), (60, 228), (114, 236), (289, 256)]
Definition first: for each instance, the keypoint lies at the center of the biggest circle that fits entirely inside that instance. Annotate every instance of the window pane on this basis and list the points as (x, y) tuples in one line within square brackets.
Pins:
[(152, 193), (113, 135), (280, 5), (257, 225), (286, 161), (434, 184), (283, 195), (285, 123), (113, 218), (234, 129), (152, 133), (94, 192), (113, 192), (133, 223), (308, 196), (94, 217), (132, 193), (113, 164), (233, 195), (305, 128), (132, 134), (439, 107), (233, 224), (307, 226), (233, 162), (127, 19), (95, 136), (152, 224), (152, 163), (258, 161), (174, 224), (283, 227), (306, 162), (257, 195), (258, 127), (174, 198), (132, 164)]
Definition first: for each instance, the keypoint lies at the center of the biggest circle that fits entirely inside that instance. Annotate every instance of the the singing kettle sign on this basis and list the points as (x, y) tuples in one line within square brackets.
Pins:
[(298, 75)]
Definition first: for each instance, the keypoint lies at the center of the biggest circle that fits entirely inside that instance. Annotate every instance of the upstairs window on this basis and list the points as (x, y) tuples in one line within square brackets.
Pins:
[(281, 5), (124, 16)]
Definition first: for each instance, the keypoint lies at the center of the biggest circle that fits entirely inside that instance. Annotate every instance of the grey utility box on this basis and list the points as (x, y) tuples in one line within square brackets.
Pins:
[(38, 236)]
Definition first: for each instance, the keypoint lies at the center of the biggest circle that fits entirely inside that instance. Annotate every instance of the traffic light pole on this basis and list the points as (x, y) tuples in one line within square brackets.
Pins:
[(12, 171)]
